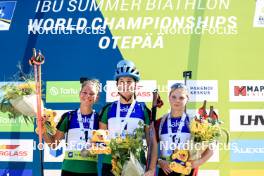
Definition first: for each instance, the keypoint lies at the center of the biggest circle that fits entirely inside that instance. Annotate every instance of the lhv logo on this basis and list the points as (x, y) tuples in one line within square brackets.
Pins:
[(246, 120), (6, 13)]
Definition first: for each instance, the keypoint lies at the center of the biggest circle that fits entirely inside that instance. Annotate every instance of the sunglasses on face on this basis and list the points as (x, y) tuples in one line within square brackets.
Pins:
[(178, 86)]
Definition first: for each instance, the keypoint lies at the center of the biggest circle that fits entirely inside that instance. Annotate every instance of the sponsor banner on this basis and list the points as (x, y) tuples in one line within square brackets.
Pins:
[(56, 155), (259, 14), (15, 172), (144, 90), (62, 91), (249, 120), (52, 172), (16, 150), (8, 124), (7, 9), (247, 151), (246, 90), (246, 172), (208, 173), (200, 90)]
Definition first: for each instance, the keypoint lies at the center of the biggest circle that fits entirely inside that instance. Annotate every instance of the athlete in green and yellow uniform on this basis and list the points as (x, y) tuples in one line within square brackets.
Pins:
[(76, 126)]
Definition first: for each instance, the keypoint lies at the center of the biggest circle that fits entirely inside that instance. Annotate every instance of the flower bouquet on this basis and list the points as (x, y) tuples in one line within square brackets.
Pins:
[(20, 96), (205, 130), (126, 151)]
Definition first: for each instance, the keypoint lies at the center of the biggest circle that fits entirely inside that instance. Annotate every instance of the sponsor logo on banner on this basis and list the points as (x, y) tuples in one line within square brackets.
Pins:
[(246, 172), (7, 9), (246, 90), (200, 90), (144, 90), (52, 172), (62, 91), (16, 150), (247, 120), (208, 173), (259, 14), (56, 155), (14, 124), (12, 172), (247, 151)]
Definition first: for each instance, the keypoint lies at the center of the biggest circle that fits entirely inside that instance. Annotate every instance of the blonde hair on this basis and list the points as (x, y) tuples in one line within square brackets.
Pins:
[(179, 86), (94, 82)]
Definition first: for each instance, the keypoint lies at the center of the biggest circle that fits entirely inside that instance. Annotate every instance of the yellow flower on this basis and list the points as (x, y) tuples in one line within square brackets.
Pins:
[(206, 124), (114, 163), (30, 85), (119, 140)]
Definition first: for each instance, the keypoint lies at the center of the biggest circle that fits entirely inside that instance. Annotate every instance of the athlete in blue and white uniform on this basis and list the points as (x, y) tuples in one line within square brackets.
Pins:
[(173, 131), (126, 113)]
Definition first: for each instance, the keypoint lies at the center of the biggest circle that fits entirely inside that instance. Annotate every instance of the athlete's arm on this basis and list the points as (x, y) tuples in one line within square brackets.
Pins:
[(103, 118), (154, 151), (102, 126), (62, 127), (205, 157), (54, 140)]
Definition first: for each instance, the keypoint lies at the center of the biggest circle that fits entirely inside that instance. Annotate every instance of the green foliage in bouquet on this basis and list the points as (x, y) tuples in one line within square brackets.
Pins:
[(121, 148), (14, 90), (207, 128), (13, 114)]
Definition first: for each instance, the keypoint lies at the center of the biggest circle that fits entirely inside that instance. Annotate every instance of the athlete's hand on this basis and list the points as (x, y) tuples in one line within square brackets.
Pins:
[(165, 166), (195, 163), (150, 172)]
